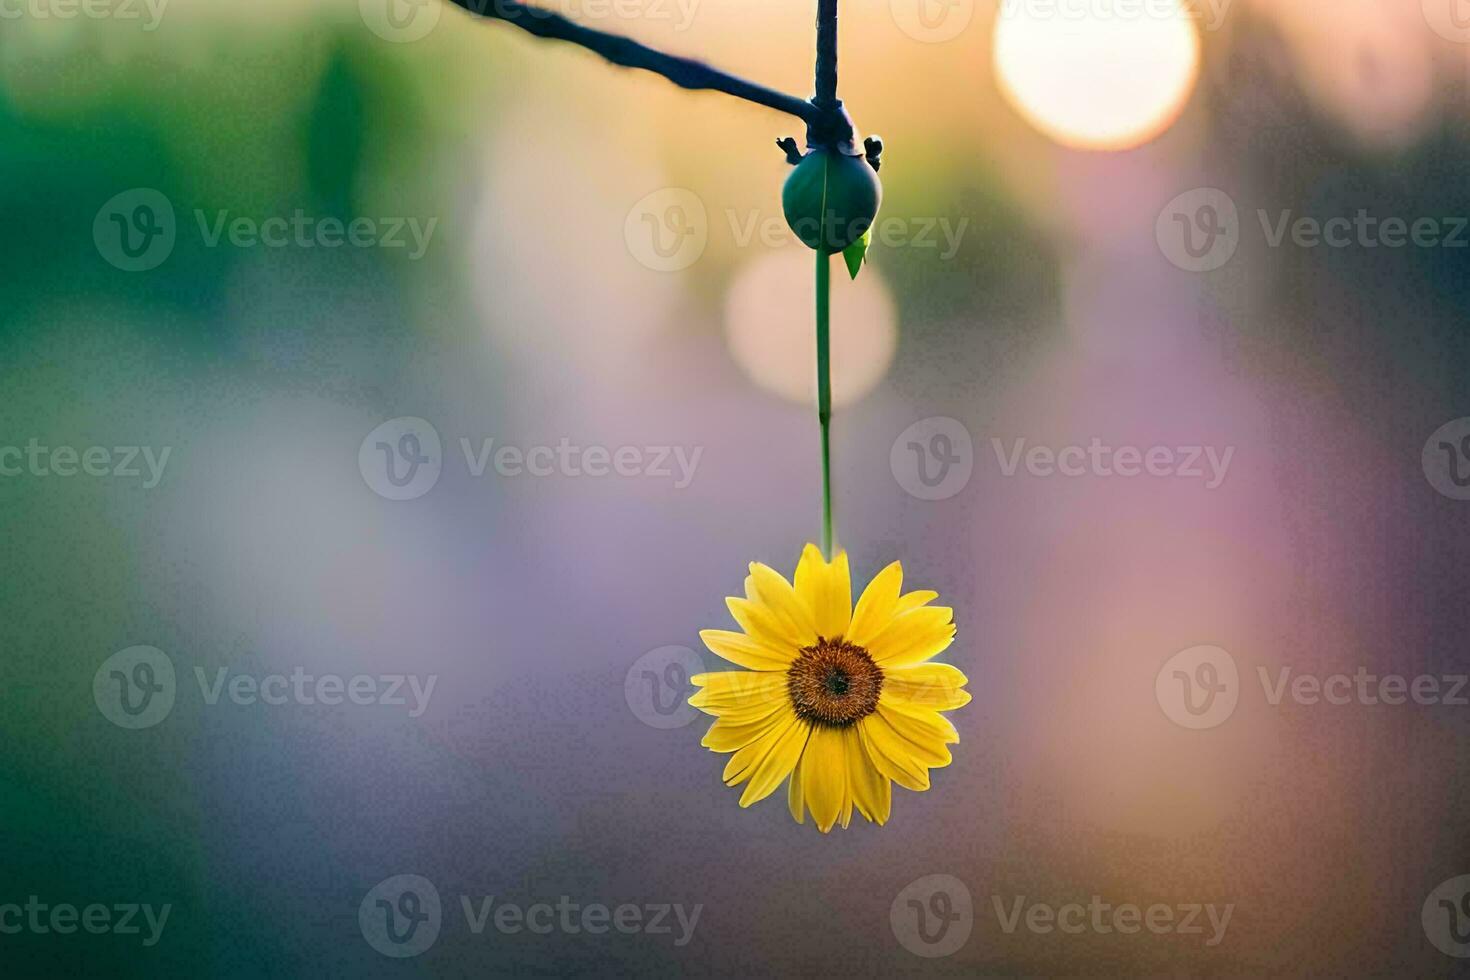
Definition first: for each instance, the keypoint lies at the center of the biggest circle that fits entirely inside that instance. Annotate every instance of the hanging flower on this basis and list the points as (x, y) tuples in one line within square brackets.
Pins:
[(837, 702)]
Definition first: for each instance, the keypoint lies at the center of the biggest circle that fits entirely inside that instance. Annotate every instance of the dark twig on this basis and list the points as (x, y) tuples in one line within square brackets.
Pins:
[(826, 97), (684, 72), (832, 129)]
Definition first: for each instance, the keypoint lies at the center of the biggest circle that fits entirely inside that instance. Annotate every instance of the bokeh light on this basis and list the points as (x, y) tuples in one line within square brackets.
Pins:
[(1368, 66), (768, 325), (1094, 77)]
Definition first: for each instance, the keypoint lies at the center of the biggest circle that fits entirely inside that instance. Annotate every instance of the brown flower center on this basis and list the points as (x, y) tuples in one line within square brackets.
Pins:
[(833, 683)]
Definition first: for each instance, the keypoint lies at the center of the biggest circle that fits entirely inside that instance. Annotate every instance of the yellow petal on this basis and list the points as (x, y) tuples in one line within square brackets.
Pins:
[(892, 754), (826, 590), (913, 600), (746, 712), (929, 685), (765, 628), (777, 764), (872, 793), (794, 801), (729, 733), (743, 763), (735, 690), (876, 606), (913, 637), (738, 648), (926, 734), (824, 775), (768, 588)]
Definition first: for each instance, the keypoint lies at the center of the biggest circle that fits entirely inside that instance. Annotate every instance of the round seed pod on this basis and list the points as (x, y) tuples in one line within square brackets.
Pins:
[(831, 199)]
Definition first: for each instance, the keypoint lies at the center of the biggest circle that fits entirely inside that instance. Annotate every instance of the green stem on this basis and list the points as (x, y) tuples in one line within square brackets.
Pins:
[(824, 389)]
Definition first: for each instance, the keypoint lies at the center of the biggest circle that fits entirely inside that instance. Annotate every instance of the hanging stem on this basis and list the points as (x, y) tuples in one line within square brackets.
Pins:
[(826, 99), (824, 389)]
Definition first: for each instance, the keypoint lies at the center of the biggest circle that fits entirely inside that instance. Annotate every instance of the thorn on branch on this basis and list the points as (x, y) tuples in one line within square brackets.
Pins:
[(873, 147)]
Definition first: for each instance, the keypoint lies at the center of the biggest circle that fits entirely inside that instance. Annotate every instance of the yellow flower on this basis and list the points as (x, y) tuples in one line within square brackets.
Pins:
[(840, 703)]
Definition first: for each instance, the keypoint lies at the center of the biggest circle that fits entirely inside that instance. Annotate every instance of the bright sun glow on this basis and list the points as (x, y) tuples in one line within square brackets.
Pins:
[(1097, 75)]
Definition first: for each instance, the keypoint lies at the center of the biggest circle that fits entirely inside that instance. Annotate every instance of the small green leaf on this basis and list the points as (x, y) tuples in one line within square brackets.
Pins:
[(857, 253)]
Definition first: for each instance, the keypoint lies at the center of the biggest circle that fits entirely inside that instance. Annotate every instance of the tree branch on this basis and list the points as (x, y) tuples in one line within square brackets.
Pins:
[(683, 72)]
